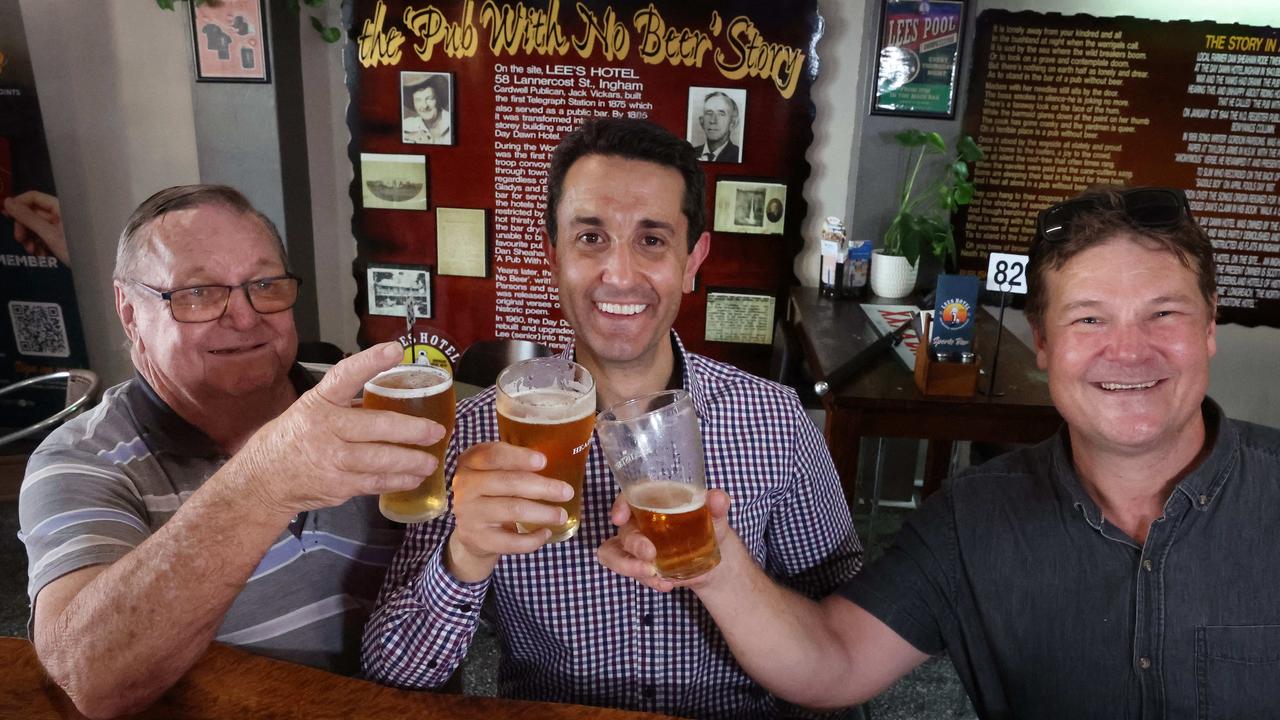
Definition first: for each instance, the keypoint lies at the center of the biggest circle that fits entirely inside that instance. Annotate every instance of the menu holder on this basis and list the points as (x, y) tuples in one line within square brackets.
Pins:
[(954, 379)]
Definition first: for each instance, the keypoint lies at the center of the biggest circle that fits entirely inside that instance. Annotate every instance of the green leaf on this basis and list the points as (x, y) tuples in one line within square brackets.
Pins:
[(319, 26), (911, 138), (331, 35), (315, 3), (964, 193), (960, 169), (936, 142), (969, 149), (165, 4)]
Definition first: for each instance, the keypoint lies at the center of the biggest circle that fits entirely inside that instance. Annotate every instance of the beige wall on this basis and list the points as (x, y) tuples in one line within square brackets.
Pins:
[(114, 82)]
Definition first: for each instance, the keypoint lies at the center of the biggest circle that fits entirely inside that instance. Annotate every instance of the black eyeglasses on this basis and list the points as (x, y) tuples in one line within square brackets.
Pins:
[(203, 303), (1147, 207)]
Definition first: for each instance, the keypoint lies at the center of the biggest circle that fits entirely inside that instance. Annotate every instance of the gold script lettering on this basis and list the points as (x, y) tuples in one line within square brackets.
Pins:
[(378, 47), (431, 27), (522, 28), (755, 57)]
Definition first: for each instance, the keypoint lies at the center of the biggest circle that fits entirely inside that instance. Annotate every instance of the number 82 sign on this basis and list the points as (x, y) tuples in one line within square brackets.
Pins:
[(1007, 272)]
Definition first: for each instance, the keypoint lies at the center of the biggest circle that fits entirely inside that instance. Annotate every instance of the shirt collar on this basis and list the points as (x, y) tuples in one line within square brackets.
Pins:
[(1201, 485), (681, 359), (164, 430)]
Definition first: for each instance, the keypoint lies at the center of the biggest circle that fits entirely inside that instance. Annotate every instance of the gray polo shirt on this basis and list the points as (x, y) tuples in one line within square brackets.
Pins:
[(1050, 611), (102, 483)]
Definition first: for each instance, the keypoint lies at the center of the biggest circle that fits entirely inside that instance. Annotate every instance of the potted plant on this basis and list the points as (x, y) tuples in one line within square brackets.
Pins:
[(923, 219)]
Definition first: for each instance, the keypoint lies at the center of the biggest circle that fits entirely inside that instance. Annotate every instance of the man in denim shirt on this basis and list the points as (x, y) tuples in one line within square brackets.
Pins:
[(1123, 568)]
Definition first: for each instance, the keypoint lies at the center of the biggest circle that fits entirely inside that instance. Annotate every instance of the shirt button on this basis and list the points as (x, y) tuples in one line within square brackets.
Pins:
[(647, 620), (1204, 500), (1146, 565), (1144, 663)]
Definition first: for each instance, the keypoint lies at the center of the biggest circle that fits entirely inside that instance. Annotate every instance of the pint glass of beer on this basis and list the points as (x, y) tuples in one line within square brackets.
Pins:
[(655, 449), (549, 405), (422, 391)]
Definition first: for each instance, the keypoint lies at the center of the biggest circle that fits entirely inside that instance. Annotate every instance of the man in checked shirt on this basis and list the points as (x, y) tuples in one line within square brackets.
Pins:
[(624, 238)]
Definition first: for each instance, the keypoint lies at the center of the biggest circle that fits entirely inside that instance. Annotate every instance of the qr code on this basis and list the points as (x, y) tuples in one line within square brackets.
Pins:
[(39, 329)]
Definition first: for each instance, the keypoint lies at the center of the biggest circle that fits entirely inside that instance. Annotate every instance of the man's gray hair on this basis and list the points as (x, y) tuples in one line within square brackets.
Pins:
[(135, 240), (733, 104)]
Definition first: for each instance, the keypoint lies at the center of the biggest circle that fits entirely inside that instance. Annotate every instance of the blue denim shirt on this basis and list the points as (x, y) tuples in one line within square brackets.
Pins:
[(1049, 611)]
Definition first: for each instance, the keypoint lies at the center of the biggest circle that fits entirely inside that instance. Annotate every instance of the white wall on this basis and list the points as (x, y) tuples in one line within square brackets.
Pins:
[(331, 176), (114, 83)]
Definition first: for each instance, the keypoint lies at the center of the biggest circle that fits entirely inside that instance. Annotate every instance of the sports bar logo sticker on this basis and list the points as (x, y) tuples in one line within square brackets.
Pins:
[(956, 313)]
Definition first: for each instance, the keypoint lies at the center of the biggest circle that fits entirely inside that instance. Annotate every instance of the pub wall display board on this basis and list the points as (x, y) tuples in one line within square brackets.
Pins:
[(1062, 102), (483, 92)]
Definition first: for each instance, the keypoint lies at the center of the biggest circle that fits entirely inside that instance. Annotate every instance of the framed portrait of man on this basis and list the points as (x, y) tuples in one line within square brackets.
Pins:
[(426, 108), (717, 123)]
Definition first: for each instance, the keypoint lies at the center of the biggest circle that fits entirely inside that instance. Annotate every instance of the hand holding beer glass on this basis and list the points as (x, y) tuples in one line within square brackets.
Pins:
[(655, 449), (422, 391), (548, 404)]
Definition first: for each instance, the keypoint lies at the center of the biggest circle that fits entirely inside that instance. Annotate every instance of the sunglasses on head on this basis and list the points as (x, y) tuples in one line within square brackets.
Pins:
[(1147, 207)]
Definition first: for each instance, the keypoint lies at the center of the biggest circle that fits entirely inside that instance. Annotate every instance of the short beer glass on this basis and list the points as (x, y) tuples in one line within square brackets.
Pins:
[(549, 405), (655, 449), (422, 391)]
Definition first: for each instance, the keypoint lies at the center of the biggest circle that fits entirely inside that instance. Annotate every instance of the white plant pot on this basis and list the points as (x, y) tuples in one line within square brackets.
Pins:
[(892, 276)]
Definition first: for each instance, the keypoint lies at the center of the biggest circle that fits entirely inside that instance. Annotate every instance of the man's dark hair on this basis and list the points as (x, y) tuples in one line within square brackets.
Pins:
[(1101, 222), (135, 240), (634, 140)]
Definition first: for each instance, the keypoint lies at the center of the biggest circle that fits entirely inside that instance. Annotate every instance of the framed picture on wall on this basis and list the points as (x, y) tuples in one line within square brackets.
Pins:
[(717, 123), (392, 288), (749, 206), (231, 41), (426, 108), (918, 58), (395, 182)]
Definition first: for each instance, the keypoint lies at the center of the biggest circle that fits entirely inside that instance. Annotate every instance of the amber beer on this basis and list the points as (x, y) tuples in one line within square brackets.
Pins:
[(422, 391), (548, 405), (654, 446), (674, 516)]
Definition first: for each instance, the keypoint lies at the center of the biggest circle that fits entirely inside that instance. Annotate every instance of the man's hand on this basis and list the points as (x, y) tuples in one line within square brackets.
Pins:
[(631, 554), (321, 451), (495, 487), (37, 226)]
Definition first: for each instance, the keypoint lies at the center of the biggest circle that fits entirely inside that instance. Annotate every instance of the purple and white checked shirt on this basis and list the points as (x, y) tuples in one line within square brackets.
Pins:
[(572, 631)]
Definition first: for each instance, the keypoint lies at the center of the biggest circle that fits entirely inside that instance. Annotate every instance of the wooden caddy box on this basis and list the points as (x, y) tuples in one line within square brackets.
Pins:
[(943, 378)]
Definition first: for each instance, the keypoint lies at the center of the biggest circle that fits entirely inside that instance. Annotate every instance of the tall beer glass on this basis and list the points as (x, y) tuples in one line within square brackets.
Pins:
[(422, 391), (549, 405), (654, 446)]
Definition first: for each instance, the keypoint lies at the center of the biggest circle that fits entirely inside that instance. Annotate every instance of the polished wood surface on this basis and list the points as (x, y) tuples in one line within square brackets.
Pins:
[(229, 683), (883, 401)]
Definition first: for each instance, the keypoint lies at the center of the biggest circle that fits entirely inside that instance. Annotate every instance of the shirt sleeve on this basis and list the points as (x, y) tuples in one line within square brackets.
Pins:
[(76, 509), (425, 619), (911, 588), (813, 547)]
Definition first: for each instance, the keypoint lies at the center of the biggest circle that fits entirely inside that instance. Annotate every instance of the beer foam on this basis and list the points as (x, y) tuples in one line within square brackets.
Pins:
[(666, 497), (550, 406), (422, 380)]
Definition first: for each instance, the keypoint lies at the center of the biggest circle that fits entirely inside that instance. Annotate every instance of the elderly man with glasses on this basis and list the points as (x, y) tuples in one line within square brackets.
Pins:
[(1120, 569), (217, 495)]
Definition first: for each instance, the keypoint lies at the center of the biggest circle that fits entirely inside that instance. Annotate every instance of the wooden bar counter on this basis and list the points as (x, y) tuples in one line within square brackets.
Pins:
[(228, 683)]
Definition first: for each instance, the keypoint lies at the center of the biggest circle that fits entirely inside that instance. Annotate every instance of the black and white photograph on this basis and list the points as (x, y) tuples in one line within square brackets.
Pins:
[(426, 106), (392, 288), (747, 206), (717, 123), (397, 182)]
